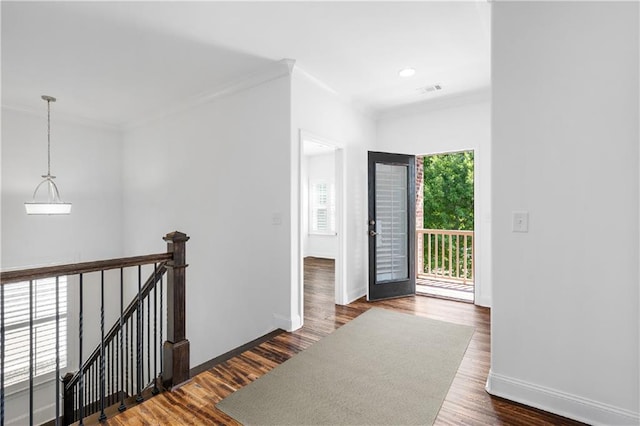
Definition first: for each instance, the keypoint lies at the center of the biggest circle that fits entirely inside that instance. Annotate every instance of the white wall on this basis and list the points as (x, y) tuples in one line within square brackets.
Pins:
[(317, 167), (87, 163), (459, 124), (220, 173), (320, 112), (565, 324)]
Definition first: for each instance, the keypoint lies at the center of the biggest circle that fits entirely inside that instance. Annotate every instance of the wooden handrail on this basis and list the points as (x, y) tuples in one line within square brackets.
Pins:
[(444, 232), (81, 268)]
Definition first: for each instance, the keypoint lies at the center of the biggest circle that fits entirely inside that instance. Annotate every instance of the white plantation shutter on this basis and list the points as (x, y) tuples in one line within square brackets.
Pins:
[(391, 222), (323, 210), (16, 320)]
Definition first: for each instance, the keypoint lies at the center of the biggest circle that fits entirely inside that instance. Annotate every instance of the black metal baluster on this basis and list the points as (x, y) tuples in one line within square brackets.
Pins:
[(31, 352), (103, 416), (111, 376), (131, 353), (2, 346), (122, 407), (96, 376), (125, 381), (78, 395), (155, 390), (148, 337), (139, 337), (113, 389), (57, 420), (81, 380), (108, 375), (89, 410), (83, 397), (161, 322)]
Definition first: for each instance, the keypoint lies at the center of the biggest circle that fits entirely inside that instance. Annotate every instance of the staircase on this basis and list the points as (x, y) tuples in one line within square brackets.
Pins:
[(143, 353)]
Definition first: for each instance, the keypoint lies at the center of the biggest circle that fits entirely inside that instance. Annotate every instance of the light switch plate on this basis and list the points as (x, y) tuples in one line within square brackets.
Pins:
[(520, 222)]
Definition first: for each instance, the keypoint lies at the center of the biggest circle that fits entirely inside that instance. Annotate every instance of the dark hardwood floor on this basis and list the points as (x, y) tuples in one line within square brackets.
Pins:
[(467, 403)]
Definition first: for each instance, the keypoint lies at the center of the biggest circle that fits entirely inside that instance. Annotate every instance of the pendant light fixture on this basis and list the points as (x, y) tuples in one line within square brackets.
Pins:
[(51, 203)]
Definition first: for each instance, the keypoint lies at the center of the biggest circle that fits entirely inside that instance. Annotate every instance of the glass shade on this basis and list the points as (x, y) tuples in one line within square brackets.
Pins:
[(48, 208)]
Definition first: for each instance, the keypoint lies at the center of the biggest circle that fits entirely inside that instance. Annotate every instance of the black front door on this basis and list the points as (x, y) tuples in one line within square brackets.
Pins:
[(392, 204)]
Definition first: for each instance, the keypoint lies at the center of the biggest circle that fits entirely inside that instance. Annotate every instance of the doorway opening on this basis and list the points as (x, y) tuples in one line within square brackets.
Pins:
[(445, 225), (321, 233)]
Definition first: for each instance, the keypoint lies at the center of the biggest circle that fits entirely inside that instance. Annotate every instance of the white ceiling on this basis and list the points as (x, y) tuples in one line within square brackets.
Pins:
[(115, 61)]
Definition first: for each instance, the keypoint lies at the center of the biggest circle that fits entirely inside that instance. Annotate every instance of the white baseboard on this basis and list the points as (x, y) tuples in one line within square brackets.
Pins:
[(483, 301), (286, 323), (561, 403), (356, 294), (40, 415)]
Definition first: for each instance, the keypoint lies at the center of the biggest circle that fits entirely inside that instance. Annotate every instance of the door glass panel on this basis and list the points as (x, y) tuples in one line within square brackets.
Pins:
[(391, 222)]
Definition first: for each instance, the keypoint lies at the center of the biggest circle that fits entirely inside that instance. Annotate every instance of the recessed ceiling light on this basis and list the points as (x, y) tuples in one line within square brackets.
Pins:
[(406, 72)]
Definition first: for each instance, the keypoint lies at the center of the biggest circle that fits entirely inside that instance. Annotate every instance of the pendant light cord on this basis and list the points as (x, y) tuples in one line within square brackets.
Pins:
[(48, 137)]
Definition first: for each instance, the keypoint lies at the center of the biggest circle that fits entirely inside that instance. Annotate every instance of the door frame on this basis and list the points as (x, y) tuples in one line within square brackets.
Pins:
[(478, 228), (340, 294)]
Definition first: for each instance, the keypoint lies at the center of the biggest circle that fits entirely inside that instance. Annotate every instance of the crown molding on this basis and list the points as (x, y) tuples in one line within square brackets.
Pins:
[(358, 106), (444, 102), (63, 117), (270, 72)]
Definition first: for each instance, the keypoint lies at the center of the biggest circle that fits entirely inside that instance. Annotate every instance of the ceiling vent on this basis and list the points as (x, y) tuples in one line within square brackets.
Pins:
[(430, 89)]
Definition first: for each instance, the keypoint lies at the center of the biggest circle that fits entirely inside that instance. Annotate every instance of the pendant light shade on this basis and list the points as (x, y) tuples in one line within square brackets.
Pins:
[(46, 197)]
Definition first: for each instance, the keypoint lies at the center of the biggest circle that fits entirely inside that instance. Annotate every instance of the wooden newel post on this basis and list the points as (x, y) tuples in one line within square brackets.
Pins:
[(67, 401), (176, 348)]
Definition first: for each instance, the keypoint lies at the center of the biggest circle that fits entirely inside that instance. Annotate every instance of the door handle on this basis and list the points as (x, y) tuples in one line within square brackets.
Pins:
[(372, 233)]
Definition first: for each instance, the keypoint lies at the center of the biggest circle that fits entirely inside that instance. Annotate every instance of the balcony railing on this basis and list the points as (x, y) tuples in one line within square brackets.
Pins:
[(445, 254)]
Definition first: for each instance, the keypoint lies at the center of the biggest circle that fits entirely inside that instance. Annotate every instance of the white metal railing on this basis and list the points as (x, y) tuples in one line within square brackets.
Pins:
[(445, 254)]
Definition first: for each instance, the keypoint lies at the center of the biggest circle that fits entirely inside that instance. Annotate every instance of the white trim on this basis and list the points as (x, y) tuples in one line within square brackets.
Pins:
[(341, 297), (341, 226), (558, 402), (40, 416), (481, 300), (356, 294), (287, 324), (273, 71)]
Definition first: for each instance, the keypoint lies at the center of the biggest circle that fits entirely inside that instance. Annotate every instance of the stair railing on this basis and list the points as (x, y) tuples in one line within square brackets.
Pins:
[(116, 371)]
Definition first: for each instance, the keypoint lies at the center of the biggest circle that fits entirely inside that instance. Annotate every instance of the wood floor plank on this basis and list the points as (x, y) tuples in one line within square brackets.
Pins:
[(467, 403)]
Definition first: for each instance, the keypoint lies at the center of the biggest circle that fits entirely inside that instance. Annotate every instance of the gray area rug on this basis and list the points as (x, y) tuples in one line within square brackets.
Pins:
[(382, 368)]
